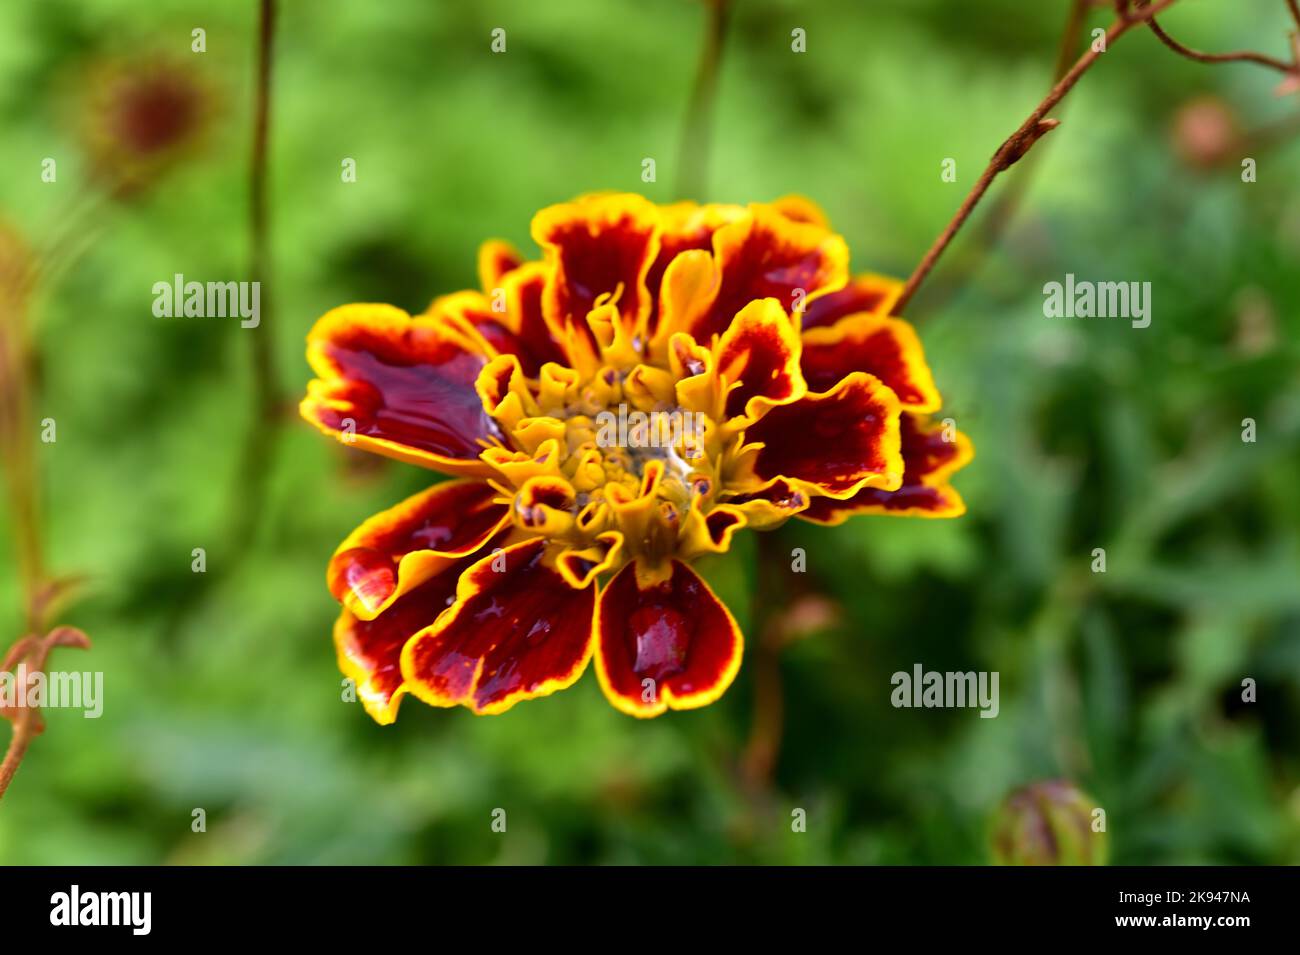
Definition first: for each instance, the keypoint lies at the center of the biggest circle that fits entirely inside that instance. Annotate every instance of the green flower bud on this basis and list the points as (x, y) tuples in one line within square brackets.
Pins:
[(1049, 823)]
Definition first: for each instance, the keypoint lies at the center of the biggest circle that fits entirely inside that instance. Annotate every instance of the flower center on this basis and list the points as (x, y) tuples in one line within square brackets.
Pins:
[(615, 452)]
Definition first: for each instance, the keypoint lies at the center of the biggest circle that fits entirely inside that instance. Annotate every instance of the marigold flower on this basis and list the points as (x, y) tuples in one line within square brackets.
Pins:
[(662, 378)]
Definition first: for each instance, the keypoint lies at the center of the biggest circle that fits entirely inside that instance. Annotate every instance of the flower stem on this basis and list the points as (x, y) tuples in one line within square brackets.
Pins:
[(693, 158), (771, 597), (16, 443), (250, 484), (28, 723)]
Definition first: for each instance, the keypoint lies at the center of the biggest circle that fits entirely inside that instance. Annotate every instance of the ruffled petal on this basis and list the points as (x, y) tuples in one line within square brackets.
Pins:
[(689, 284), (874, 294), (580, 568), (534, 342), (885, 347), (516, 631), (664, 641), (766, 255), (599, 248), (495, 259), (930, 456), (801, 209), (686, 226), (711, 531), (508, 318), (402, 547), (370, 651), (473, 317), (771, 505), (833, 443), (758, 358), (399, 386), (505, 393)]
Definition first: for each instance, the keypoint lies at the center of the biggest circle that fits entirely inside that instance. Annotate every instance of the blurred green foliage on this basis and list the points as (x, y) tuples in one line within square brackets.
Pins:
[(223, 693)]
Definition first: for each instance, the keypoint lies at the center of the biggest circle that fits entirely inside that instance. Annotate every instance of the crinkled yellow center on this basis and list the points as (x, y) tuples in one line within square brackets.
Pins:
[(610, 464)]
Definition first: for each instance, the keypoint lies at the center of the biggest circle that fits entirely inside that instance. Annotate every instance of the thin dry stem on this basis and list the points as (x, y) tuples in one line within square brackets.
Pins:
[(1020, 142), (998, 218), (1004, 207), (1239, 56), (28, 723)]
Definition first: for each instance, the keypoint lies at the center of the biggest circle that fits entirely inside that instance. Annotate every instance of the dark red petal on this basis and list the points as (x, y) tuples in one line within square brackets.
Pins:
[(370, 651), (687, 226), (885, 347), (400, 386), (508, 318), (516, 631), (673, 633), (597, 246), (495, 259), (536, 345), (766, 255), (875, 294), (404, 545), (836, 441), (760, 352), (930, 455), (720, 524)]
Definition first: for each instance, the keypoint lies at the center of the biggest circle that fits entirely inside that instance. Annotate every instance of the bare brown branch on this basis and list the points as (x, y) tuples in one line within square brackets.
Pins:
[(1003, 208), (1240, 56), (27, 721), (1032, 129)]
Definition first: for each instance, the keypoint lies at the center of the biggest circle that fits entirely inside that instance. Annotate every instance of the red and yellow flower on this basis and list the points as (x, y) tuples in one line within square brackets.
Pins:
[(564, 537)]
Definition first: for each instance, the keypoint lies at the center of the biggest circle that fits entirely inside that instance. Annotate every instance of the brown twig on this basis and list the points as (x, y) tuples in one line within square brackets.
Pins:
[(1021, 141), (17, 653), (20, 473), (22, 736), (693, 157), (1239, 56), (27, 722), (1004, 206), (1127, 18)]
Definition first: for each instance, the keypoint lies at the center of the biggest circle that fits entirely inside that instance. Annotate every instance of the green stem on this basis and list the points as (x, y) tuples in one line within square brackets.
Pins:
[(693, 158), (250, 485)]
